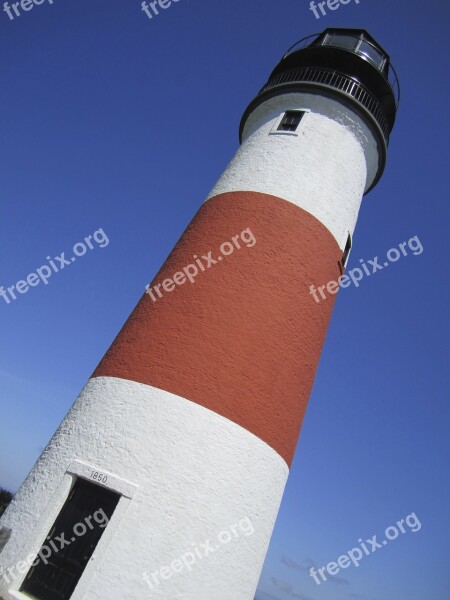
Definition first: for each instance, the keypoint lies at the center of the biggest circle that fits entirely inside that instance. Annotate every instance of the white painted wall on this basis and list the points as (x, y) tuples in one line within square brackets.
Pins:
[(325, 169), (191, 474)]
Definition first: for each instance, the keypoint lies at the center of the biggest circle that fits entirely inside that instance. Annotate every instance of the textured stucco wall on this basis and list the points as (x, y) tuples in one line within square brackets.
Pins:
[(324, 169), (244, 340), (197, 473)]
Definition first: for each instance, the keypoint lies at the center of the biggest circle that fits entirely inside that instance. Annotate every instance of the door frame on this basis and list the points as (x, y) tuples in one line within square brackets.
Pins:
[(78, 469)]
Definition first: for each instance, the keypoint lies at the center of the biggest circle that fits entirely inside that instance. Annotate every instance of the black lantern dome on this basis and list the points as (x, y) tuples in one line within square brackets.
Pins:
[(344, 63)]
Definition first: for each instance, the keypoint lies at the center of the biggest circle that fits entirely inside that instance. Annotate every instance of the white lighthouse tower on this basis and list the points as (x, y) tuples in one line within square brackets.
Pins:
[(165, 478)]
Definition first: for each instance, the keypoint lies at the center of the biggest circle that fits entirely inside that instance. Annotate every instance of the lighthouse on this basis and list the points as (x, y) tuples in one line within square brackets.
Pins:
[(165, 478)]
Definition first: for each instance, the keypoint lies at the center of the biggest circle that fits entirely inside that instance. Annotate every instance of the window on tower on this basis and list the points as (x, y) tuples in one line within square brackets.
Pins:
[(291, 120), (348, 247)]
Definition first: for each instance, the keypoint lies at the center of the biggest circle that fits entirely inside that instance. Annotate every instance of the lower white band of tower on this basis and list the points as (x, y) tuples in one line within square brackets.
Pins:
[(202, 485)]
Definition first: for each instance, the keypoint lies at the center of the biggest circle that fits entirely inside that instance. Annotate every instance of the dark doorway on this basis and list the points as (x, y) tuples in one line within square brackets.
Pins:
[(70, 542)]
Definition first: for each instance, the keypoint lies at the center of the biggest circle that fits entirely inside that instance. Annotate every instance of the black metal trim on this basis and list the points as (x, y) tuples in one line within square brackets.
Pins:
[(336, 80), (363, 100)]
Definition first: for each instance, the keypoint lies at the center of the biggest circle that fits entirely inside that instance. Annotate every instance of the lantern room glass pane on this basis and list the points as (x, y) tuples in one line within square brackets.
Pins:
[(342, 41), (371, 53)]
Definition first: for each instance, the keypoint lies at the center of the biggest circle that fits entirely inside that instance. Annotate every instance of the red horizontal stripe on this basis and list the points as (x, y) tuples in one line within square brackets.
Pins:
[(244, 340)]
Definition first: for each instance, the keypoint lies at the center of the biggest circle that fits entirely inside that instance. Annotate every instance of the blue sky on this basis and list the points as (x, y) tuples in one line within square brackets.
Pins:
[(112, 120)]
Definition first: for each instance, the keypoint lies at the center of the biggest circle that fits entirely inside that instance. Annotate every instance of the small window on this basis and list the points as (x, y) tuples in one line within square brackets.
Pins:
[(291, 120), (372, 54), (348, 247)]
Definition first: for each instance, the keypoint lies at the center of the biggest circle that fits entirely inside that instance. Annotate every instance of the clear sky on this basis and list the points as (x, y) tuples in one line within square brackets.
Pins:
[(112, 120)]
